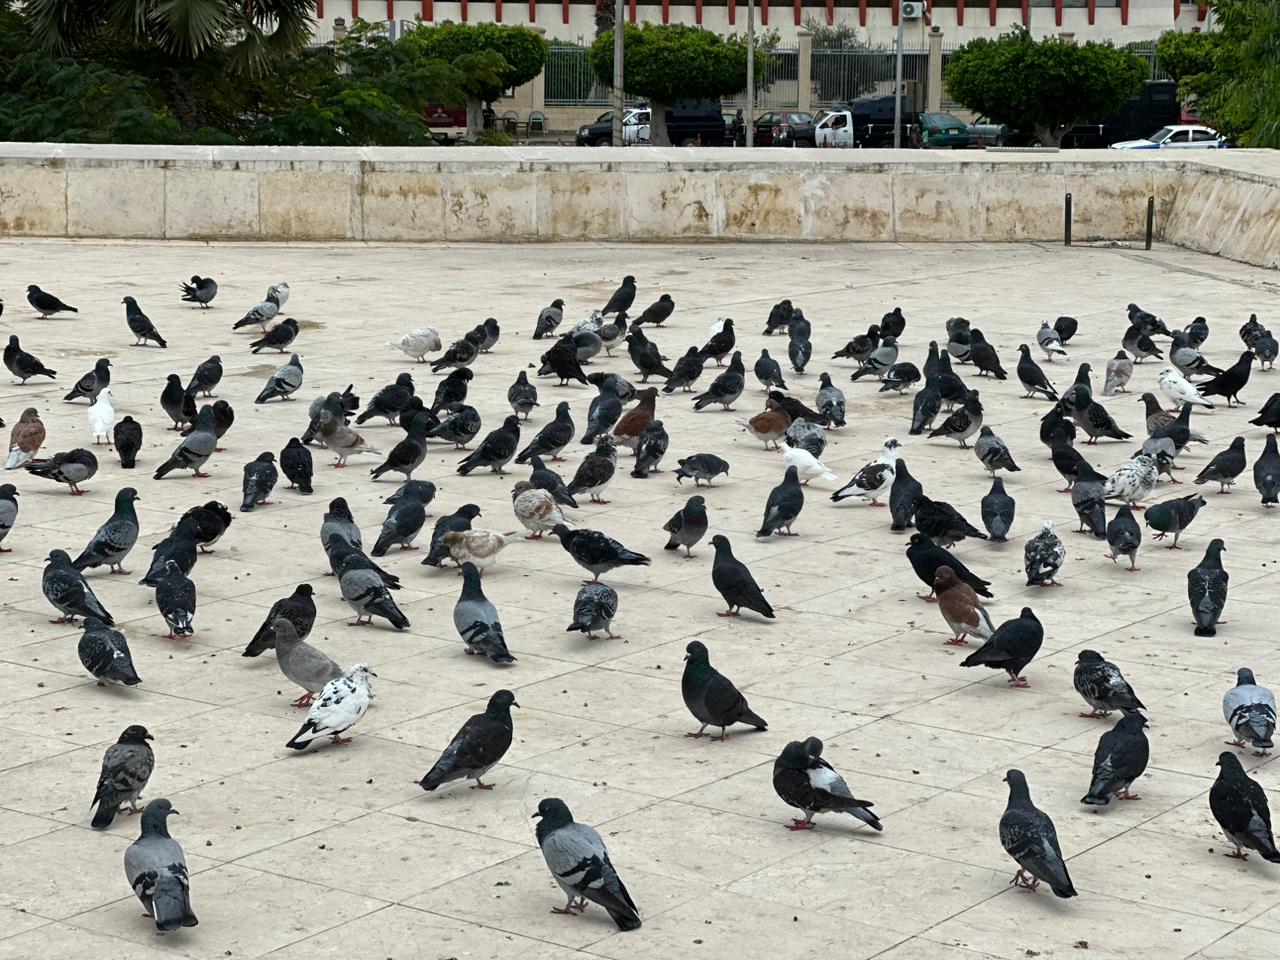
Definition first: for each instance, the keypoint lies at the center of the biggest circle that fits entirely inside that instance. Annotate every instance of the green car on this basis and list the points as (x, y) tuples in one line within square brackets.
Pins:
[(943, 130)]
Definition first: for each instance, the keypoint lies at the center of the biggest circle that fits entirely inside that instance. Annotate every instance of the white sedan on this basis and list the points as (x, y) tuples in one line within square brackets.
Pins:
[(1186, 137)]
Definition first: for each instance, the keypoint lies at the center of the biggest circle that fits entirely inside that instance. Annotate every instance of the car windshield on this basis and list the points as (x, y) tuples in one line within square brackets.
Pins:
[(942, 120), (605, 117), (1161, 135), (798, 118)]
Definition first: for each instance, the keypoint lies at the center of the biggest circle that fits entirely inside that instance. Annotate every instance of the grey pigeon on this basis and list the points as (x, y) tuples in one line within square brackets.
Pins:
[(1139, 345), (140, 325), (802, 779), (1028, 836), (701, 466), (551, 439), (1188, 359), (105, 654), (1050, 342), (298, 608), (342, 703), (594, 609), (830, 400), (8, 511), (278, 337), (734, 582), (115, 538), (997, 511), (1102, 685), (338, 521), (157, 870), (1011, 647), (367, 594), (1088, 497), (72, 468), (261, 314), (768, 372), (495, 450), (1225, 466), (651, 447), (404, 522), (785, 502), (1119, 370), (1120, 758), (284, 382), (1239, 804), (725, 388), (208, 374), (200, 290), (302, 663), (1197, 332), (1174, 516), (522, 395), (711, 697), (476, 620), (93, 382), (195, 449), (880, 360), (993, 453), (176, 600), (260, 478), (126, 768), (66, 588), (1266, 473), (1250, 712), (1124, 536), (1207, 590), (577, 858), (483, 740), (810, 437), (1043, 557), (549, 318), (687, 526), (595, 552)]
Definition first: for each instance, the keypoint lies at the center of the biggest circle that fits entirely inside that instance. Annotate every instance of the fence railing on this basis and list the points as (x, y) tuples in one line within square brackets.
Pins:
[(839, 76), (1148, 52), (568, 79), (778, 84)]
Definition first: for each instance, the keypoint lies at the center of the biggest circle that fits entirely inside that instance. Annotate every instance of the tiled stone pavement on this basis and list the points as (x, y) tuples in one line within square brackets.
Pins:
[(336, 853)]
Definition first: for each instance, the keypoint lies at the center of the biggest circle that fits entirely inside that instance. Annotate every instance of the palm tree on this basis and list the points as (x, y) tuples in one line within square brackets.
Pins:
[(252, 31)]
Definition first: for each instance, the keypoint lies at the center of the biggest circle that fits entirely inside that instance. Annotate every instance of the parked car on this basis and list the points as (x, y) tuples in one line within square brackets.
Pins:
[(447, 124), (1152, 107), (983, 132), (943, 130), (1180, 137), (599, 133), (689, 122), (784, 128), (865, 123)]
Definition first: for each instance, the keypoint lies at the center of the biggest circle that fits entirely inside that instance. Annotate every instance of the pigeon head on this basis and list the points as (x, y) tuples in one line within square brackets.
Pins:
[(813, 747), (1089, 656), (794, 756), (1048, 526), (560, 530), (721, 544), (891, 443), (135, 734), (361, 672), (696, 651), (173, 378), (792, 475), (405, 379), (1018, 790), (554, 813), (501, 702), (8, 491), (1229, 763), (1132, 721), (172, 569), (58, 557), (285, 632), (697, 500), (1244, 677), (338, 509), (985, 432), (468, 510), (305, 589), (557, 303), (154, 818), (944, 578), (129, 301), (521, 487), (266, 457)]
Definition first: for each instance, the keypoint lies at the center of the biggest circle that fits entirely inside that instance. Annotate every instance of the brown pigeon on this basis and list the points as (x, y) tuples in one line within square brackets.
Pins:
[(634, 422), (960, 607)]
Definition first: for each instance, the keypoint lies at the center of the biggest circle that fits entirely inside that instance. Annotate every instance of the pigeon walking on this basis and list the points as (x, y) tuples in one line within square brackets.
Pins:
[(1174, 516), (1028, 836), (72, 468), (1011, 647), (298, 608), (1207, 590), (1124, 536), (114, 539), (93, 382), (195, 449), (1120, 759), (687, 526), (1239, 804), (1224, 467), (595, 552), (476, 620), (156, 869), (23, 365), (302, 663), (140, 325), (1250, 712), (483, 740), (577, 858), (341, 705), (105, 654), (66, 588), (998, 511), (176, 601), (711, 697), (735, 584), (785, 502), (260, 478), (1102, 686), (126, 768), (594, 608), (960, 607)]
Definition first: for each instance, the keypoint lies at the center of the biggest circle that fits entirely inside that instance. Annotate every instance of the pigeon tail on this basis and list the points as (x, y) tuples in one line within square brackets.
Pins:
[(169, 904), (104, 815)]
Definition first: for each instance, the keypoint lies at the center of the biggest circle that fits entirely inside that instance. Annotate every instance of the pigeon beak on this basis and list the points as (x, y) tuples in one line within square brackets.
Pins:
[(174, 812), (148, 737), (535, 816), (514, 704), (686, 656)]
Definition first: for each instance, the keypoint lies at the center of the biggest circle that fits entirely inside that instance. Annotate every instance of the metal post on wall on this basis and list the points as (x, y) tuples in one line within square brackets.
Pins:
[(617, 73), (1066, 221), (1151, 219), (751, 74), (897, 90)]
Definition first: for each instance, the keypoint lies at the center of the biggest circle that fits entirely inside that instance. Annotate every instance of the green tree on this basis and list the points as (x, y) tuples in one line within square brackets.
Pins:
[(1042, 87), (671, 62), (1183, 55), (489, 57), (1237, 90)]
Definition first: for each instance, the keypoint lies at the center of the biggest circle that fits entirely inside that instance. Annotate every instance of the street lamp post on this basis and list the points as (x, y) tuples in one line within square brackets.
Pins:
[(751, 74), (617, 73), (897, 91)]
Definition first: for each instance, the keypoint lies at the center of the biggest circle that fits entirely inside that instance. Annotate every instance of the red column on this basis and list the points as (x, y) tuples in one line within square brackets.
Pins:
[(428, 11), (732, 12), (862, 13), (391, 9), (960, 13), (1201, 12), (497, 10), (1177, 9), (533, 11), (633, 12), (355, 9), (1057, 12), (831, 12), (992, 4), (564, 6), (798, 12), (1093, 10), (895, 11), (463, 3), (697, 12), (764, 12), (666, 10), (1124, 13), (1026, 13), (319, 9)]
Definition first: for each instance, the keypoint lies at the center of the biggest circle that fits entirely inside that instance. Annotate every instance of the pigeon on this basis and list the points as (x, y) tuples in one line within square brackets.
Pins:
[(8, 512), (873, 480), (176, 601), (201, 290), (802, 779), (261, 314), (1266, 349), (1124, 536), (1197, 332), (603, 380), (1088, 498), (806, 436), (459, 427), (298, 608), (284, 382), (596, 471), (997, 511), (1134, 481), (651, 447), (1239, 804), (157, 870), (733, 581), (657, 312), (1055, 428), (174, 400), (295, 463), (780, 315), (452, 389), (460, 519), (366, 593), (992, 452), (861, 346), (1102, 686), (711, 697), (342, 441), (1150, 323), (595, 552), (536, 509), (22, 364), (549, 318), (478, 547), (1139, 345), (806, 464), (783, 506), (645, 356), (594, 609), (195, 449), (490, 332), (300, 662), (881, 359), (93, 382), (562, 361), (901, 376), (726, 387), (72, 468), (926, 557), (1251, 331), (983, 356), (552, 438), (622, 298), (577, 858), (1225, 466), (701, 466), (1120, 758), (522, 395), (179, 546), (547, 479), (1097, 422), (341, 705), (476, 620), (417, 343), (1188, 359), (1180, 390), (902, 497), (940, 521), (1028, 836), (1250, 712), (483, 740), (389, 401), (115, 538), (461, 353), (1119, 370), (685, 371), (962, 423), (46, 304), (140, 325), (721, 344), (830, 401), (260, 478), (126, 768), (611, 333), (495, 450), (769, 426), (959, 339), (893, 323), (403, 524), (925, 407), (1066, 327), (799, 351), (687, 526), (1174, 516), (960, 607), (1207, 590), (1050, 342), (339, 522), (1010, 648), (1032, 378), (26, 438), (207, 375), (627, 430), (1269, 415), (66, 588), (211, 521), (1079, 395), (1266, 473), (105, 653), (768, 372)]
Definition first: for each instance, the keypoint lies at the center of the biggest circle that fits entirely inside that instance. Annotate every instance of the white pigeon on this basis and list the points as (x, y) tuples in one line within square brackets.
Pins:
[(1180, 390), (341, 704), (418, 342), (807, 465), (589, 324), (281, 292), (102, 416), (875, 478), (1049, 341), (1134, 481)]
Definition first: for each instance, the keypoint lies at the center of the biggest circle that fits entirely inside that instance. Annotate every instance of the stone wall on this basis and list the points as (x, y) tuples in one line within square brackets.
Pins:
[(1223, 203)]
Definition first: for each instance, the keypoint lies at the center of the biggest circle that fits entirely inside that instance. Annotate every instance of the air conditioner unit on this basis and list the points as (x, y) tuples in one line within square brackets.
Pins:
[(914, 9)]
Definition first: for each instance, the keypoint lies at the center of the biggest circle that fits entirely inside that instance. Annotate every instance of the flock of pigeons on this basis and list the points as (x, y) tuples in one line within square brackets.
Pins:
[(713, 377)]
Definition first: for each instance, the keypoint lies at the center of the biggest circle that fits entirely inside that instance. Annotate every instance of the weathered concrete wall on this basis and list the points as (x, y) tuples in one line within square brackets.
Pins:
[(1223, 203)]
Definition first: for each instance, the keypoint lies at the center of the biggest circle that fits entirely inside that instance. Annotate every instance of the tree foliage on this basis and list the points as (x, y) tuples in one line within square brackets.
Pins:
[(1042, 87), (1183, 55)]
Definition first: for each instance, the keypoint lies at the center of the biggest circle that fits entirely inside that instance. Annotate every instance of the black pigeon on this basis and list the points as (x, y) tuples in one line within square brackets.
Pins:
[(861, 346), (1150, 323), (390, 400), (1197, 332), (1239, 804), (1067, 460), (1266, 473), (176, 601), (1028, 836), (1174, 516), (1066, 328), (734, 582), (562, 361), (622, 298), (549, 318), (997, 511), (295, 462), (211, 521), (115, 538), (298, 608), (22, 364), (768, 372), (173, 400), (455, 522), (700, 467), (711, 697), (105, 653), (66, 588), (459, 427), (802, 779), (646, 356), (544, 478), (1251, 331), (495, 450), (725, 388), (926, 405), (926, 557), (93, 382), (799, 351), (452, 389), (200, 290), (1054, 427), (552, 438), (483, 740), (1102, 686), (893, 323), (424, 490), (522, 395), (140, 325), (685, 372), (179, 546), (208, 374), (902, 498), (1013, 645), (901, 376), (687, 526), (983, 356), (780, 315), (1225, 466), (941, 521), (46, 304), (785, 502), (1124, 536), (1139, 344), (595, 552), (651, 447), (1207, 590), (1230, 381), (460, 353), (490, 331), (721, 343), (126, 768), (1120, 759), (259, 480), (403, 524), (577, 858), (657, 312), (407, 455)]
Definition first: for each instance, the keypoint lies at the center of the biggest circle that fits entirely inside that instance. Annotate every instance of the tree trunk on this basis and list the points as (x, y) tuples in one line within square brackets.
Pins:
[(658, 124), (475, 118)]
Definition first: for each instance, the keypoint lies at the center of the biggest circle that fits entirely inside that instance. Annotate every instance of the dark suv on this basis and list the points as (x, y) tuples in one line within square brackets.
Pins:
[(689, 122)]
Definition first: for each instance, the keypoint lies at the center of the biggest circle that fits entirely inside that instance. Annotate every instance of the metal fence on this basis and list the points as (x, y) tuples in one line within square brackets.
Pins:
[(568, 79), (778, 87), (839, 76), (1148, 52)]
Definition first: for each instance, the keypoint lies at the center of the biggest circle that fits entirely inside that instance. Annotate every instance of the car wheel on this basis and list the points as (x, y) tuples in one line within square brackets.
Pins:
[(801, 144), (689, 142), (604, 142)]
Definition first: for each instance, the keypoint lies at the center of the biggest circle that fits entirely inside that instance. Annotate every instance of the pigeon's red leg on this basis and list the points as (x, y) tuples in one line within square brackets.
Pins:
[(928, 599), (566, 911), (1238, 855), (724, 735), (1126, 795), (304, 700), (200, 476), (1262, 753), (1097, 715), (73, 620), (339, 741), (481, 786), (801, 825), (1229, 743), (957, 641)]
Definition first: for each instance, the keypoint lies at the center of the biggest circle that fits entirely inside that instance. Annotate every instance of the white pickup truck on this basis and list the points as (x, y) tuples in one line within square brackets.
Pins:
[(843, 128)]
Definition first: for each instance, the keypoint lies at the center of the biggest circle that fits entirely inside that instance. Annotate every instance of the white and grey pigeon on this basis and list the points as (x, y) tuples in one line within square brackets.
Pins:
[(285, 381), (157, 870), (1043, 557), (417, 343), (873, 479), (1134, 481), (1049, 341), (807, 465), (1180, 390), (1250, 711), (476, 619), (102, 417), (341, 705), (115, 538), (577, 858)]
